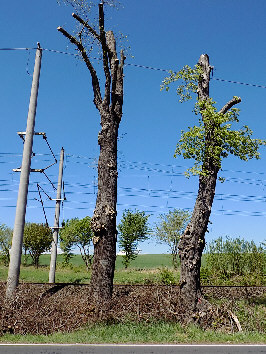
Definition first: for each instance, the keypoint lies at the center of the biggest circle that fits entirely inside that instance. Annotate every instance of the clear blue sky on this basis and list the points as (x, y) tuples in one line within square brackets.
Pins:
[(164, 34)]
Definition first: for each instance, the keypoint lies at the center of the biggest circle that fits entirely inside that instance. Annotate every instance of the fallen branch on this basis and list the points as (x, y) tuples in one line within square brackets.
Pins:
[(235, 319)]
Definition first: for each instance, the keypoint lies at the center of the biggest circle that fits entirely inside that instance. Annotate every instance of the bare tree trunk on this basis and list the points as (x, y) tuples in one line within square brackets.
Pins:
[(104, 218), (193, 241), (103, 222)]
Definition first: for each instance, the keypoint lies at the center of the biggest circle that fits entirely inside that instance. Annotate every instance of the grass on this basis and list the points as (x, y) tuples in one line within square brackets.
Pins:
[(156, 332), (142, 261), (144, 269)]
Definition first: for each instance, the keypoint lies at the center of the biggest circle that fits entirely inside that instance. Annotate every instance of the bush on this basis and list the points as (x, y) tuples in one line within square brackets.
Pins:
[(169, 230), (77, 233), (167, 276), (37, 240), (232, 261), (132, 229), (5, 243)]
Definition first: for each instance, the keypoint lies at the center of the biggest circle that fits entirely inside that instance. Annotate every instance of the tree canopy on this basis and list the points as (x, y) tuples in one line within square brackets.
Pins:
[(217, 124), (170, 228), (77, 233), (37, 240), (5, 243), (132, 229)]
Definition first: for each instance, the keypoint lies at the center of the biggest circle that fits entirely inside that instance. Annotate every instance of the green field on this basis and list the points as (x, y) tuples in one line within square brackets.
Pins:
[(144, 269)]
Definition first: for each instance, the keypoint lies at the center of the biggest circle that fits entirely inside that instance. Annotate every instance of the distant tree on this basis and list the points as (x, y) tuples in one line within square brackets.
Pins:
[(170, 229), (37, 240), (207, 143), (132, 229), (5, 243), (77, 233), (108, 99)]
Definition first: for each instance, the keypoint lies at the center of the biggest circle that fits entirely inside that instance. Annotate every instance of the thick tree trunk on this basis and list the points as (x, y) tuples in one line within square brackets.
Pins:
[(192, 243), (104, 218)]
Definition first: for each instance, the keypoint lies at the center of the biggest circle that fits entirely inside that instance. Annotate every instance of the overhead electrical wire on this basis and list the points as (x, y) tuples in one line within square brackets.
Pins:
[(143, 166), (135, 65)]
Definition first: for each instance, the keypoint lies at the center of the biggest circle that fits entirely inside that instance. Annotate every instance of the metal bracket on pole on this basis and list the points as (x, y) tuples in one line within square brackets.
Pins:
[(31, 170), (41, 170), (22, 135)]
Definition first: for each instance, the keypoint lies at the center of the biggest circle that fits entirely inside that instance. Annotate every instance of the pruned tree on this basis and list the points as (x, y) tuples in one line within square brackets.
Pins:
[(109, 104), (77, 233), (170, 229), (132, 229), (37, 239), (207, 143)]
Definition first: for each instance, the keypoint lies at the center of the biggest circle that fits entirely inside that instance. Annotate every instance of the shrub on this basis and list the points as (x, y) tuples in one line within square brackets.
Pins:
[(37, 240), (5, 243), (233, 260)]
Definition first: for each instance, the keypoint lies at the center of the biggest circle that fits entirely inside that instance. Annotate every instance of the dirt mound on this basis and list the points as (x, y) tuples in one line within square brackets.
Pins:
[(47, 308)]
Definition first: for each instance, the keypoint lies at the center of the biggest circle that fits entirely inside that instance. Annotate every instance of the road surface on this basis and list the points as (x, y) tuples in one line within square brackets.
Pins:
[(130, 349)]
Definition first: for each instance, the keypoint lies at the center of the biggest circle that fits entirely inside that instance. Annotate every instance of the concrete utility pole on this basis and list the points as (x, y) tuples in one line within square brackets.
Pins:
[(16, 250), (56, 220)]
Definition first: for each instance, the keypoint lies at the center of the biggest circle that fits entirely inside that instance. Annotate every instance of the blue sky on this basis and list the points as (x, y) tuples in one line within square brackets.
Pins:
[(162, 34)]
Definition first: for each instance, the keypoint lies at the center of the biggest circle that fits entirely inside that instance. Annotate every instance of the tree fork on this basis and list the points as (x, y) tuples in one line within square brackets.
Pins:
[(103, 222)]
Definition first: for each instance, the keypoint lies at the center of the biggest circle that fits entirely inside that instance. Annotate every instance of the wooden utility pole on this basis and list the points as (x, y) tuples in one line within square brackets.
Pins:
[(16, 249), (56, 220)]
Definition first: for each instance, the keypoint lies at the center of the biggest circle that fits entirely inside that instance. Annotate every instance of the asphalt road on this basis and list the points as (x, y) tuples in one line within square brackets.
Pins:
[(131, 349)]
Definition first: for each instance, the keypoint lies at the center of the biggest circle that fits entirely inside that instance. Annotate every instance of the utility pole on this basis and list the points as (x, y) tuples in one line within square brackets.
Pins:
[(16, 249), (56, 220)]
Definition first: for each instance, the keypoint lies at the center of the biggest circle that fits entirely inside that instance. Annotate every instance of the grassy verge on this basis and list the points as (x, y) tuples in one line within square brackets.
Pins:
[(157, 332)]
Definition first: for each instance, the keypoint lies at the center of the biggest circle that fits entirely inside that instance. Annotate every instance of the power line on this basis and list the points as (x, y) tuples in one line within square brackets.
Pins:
[(168, 170), (146, 67), (135, 65), (7, 49), (239, 83), (128, 164), (218, 212)]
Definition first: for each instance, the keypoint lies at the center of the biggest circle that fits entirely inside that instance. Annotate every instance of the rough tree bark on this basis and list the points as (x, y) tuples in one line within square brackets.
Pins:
[(110, 109), (192, 242)]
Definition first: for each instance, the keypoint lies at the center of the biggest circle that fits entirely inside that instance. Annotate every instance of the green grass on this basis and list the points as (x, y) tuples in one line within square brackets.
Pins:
[(142, 261), (147, 261), (157, 332), (144, 269)]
